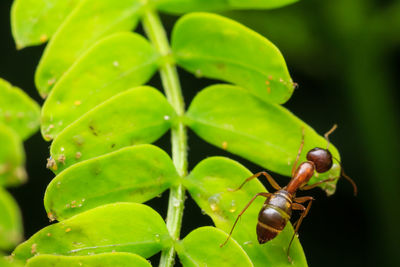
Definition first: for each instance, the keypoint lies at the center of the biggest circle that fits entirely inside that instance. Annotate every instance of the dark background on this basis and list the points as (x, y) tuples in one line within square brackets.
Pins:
[(345, 55)]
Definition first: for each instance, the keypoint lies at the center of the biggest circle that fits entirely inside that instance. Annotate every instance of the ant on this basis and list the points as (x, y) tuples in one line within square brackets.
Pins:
[(277, 208)]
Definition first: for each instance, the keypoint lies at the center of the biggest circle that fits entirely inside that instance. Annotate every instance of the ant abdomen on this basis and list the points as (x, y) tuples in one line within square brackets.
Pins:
[(321, 158), (274, 216)]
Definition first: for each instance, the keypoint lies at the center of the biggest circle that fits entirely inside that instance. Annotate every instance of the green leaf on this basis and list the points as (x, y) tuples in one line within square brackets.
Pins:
[(137, 116), (18, 110), (121, 227), (117, 259), (201, 248), (259, 4), (12, 158), (90, 21), (208, 184), (216, 47), (114, 64), (184, 6), (5, 261), (133, 174), (264, 133), (33, 22), (10, 222)]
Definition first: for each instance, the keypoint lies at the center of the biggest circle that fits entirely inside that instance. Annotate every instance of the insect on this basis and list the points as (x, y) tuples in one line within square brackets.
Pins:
[(278, 207)]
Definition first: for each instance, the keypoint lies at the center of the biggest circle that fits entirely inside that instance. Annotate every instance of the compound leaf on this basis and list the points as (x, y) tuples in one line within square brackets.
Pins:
[(213, 46), (116, 259), (133, 174), (137, 116), (184, 6), (18, 110), (201, 248), (209, 185), (114, 64), (265, 133), (10, 222), (12, 158), (120, 227), (90, 21), (33, 22)]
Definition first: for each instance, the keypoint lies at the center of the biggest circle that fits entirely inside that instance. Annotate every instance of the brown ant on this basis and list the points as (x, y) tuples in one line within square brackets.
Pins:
[(277, 209)]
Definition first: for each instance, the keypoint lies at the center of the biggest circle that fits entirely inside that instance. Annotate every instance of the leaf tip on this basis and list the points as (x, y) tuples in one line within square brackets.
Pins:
[(43, 95), (43, 38), (330, 189), (19, 45), (52, 217), (48, 137), (51, 164)]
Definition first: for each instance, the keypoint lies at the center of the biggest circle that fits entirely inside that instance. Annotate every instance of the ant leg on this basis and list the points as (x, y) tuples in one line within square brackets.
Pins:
[(299, 152), (241, 213), (297, 206), (308, 187), (267, 175), (302, 200)]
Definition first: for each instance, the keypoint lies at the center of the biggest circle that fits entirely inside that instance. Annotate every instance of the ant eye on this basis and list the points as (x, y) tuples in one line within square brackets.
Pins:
[(321, 158)]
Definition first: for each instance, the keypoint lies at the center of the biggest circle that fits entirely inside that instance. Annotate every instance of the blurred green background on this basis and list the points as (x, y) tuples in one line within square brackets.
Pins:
[(345, 55)]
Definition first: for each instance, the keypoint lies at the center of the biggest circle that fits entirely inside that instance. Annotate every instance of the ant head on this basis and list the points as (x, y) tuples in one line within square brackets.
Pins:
[(321, 158)]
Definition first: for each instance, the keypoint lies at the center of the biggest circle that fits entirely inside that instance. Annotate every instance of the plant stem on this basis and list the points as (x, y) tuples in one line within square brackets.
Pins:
[(170, 81)]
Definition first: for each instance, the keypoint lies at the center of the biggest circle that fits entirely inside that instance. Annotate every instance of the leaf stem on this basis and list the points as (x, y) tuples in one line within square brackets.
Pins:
[(170, 81)]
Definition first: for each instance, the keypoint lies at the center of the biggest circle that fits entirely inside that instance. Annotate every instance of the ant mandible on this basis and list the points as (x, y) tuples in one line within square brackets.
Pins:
[(277, 208)]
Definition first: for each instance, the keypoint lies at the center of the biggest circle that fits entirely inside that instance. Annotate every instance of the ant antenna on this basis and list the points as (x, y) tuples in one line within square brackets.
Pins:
[(342, 173), (326, 135)]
